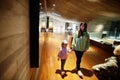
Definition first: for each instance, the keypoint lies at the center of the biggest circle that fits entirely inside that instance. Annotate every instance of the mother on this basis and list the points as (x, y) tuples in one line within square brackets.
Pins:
[(80, 44)]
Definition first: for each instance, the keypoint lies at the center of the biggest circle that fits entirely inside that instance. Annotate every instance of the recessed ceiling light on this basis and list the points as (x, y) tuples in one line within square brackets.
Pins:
[(109, 14), (40, 4), (54, 5), (93, 0)]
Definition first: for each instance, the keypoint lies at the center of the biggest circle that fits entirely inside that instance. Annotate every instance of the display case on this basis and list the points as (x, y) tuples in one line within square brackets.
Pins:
[(104, 40)]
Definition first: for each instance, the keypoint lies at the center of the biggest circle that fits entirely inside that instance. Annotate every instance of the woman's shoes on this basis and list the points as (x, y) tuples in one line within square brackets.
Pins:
[(80, 73)]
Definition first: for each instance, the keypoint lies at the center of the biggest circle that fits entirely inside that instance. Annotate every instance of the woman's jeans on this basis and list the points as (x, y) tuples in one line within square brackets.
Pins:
[(78, 56)]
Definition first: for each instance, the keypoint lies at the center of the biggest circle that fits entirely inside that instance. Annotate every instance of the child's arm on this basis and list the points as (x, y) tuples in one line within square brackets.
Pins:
[(69, 50), (59, 53)]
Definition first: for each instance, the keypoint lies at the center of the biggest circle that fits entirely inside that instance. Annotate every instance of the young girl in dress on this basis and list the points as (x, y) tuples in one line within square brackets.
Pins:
[(62, 55)]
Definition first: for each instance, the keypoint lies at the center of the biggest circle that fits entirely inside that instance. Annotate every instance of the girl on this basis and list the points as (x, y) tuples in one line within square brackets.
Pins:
[(63, 53)]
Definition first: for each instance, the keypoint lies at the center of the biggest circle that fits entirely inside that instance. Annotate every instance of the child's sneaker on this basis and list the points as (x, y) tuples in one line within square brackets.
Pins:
[(80, 73), (62, 72)]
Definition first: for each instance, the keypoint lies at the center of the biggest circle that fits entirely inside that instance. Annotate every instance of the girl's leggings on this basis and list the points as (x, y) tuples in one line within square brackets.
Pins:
[(62, 63)]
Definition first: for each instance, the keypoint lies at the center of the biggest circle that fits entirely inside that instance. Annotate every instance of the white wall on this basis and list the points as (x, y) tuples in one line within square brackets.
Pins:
[(58, 22)]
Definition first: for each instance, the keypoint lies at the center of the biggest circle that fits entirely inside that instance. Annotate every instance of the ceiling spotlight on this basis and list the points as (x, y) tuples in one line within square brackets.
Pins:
[(53, 5), (40, 4), (93, 0)]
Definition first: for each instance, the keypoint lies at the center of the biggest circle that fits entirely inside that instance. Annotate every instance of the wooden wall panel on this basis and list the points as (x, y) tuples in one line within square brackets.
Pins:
[(14, 40), (11, 45), (8, 68)]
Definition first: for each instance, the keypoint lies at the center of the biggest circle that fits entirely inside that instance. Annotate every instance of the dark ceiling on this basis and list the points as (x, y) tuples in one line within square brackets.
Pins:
[(82, 10)]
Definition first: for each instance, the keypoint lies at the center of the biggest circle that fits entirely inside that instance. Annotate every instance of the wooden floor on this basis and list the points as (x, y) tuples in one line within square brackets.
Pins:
[(50, 67)]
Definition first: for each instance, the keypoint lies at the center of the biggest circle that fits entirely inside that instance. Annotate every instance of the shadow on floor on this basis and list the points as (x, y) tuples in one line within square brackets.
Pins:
[(85, 72), (58, 71)]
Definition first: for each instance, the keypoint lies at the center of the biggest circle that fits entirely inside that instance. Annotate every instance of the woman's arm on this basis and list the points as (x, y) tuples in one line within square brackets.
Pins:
[(88, 42), (73, 42)]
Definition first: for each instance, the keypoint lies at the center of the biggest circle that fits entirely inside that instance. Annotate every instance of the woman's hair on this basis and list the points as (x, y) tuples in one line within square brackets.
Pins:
[(85, 28), (85, 25)]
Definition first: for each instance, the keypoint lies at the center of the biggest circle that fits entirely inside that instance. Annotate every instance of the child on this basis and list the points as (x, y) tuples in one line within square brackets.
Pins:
[(63, 53)]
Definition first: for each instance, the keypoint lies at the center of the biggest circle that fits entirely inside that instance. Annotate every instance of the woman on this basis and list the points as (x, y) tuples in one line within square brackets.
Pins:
[(80, 44)]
